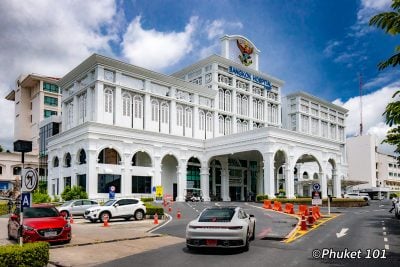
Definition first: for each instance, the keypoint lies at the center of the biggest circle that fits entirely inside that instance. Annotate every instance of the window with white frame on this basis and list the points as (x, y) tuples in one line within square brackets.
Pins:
[(228, 125), (245, 104), (304, 123), (221, 124), (255, 109), (70, 118), (333, 131), (293, 122), (228, 100), (239, 104), (82, 106), (341, 133), (209, 122), (324, 129), (202, 120), (260, 106), (188, 117), (179, 115), (108, 100), (155, 109), (164, 113), (239, 126), (221, 97), (138, 106), (126, 105), (314, 126)]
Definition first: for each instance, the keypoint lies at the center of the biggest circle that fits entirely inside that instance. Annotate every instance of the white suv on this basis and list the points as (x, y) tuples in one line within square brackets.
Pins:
[(117, 208), (364, 196)]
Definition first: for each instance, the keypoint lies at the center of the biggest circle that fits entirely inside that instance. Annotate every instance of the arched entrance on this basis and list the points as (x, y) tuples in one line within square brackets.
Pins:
[(169, 175), (308, 168), (215, 180), (280, 163)]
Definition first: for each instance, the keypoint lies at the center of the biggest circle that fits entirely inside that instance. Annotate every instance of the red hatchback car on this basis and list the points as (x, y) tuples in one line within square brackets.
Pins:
[(40, 223)]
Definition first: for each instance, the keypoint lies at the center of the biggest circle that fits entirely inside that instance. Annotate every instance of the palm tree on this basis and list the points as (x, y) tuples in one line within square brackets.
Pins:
[(390, 22)]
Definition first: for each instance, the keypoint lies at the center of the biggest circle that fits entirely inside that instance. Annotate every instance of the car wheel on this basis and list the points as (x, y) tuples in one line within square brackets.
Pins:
[(139, 215), (103, 216), (247, 245), (64, 213), (253, 235)]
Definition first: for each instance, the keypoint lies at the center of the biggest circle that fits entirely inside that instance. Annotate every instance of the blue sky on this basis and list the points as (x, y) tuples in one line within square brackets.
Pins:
[(315, 46)]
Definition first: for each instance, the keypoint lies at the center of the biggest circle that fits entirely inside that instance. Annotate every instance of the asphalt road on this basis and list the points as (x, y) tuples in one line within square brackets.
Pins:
[(370, 229)]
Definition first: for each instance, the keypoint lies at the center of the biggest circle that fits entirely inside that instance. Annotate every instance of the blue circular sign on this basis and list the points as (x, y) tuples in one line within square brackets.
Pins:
[(316, 187)]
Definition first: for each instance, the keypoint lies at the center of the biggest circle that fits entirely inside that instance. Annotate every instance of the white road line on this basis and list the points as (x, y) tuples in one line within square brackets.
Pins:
[(384, 233), (387, 247), (385, 239), (383, 228), (162, 225)]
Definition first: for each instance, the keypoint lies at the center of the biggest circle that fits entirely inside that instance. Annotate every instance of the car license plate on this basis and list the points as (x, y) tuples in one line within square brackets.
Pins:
[(211, 242), (50, 234)]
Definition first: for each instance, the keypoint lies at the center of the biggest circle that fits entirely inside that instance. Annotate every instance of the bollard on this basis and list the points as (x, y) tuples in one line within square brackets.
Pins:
[(71, 219), (156, 218), (310, 217), (178, 215), (303, 226), (105, 221)]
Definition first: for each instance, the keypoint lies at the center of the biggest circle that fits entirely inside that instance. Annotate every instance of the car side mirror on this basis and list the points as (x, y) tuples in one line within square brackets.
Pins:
[(251, 215), (116, 205)]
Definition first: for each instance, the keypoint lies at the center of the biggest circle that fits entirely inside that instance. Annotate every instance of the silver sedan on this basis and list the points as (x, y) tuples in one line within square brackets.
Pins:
[(76, 207), (225, 227)]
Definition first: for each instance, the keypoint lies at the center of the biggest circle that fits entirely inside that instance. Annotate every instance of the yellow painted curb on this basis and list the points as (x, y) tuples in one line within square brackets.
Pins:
[(299, 233)]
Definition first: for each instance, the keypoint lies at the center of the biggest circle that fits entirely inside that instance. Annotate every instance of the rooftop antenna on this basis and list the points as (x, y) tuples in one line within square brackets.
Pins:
[(361, 106)]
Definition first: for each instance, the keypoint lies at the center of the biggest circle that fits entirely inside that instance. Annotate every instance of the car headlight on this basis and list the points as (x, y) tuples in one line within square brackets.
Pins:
[(95, 210), (27, 228)]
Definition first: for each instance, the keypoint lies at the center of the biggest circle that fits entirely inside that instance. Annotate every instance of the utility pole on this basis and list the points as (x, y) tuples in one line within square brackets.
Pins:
[(361, 106)]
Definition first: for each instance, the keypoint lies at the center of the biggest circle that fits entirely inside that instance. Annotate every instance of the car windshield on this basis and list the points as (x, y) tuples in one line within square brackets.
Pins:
[(109, 203), (40, 212), (217, 215), (66, 203)]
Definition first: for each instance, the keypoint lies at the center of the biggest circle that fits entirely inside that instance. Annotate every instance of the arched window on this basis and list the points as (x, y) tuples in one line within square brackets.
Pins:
[(202, 120), (239, 126), (55, 162), (67, 160), (239, 104), (126, 105), (221, 99), (155, 109), (138, 102), (108, 100), (141, 159), (244, 105), (179, 115), (109, 156), (82, 106), (228, 100), (260, 110), (221, 124), (82, 157), (270, 115), (255, 109), (228, 125), (188, 118), (209, 122), (245, 126), (164, 112)]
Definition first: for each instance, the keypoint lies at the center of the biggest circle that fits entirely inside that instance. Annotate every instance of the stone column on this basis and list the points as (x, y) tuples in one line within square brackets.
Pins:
[(204, 180), (157, 167), (126, 175), (147, 107), (195, 129), (323, 183), (289, 181), (216, 124), (336, 184), (75, 111), (182, 173), (91, 173), (224, 180), (89, 106), (269, 181), (118, 107), (99, 102)]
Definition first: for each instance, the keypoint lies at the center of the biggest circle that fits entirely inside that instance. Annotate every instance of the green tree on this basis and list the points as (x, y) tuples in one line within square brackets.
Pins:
[(1, 149), (76, 192), (390, 23)]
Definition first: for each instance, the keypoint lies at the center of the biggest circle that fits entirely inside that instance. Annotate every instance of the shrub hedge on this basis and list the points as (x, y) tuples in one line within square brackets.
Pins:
[(147, 199), (30, 254), (151, 209), (3, 208)]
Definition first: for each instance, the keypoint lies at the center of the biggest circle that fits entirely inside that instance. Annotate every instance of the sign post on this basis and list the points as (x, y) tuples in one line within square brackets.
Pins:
[(159, 193), (316, 195), (24, 147), (111, 192)]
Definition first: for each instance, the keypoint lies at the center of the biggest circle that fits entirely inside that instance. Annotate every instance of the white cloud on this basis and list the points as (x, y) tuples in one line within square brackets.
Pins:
[(50, 38), (330, 47), (373, 107), (217, 28), (156, 50)]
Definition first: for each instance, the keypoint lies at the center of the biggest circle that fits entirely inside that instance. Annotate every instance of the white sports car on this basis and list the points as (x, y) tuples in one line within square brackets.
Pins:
[(225, 227)]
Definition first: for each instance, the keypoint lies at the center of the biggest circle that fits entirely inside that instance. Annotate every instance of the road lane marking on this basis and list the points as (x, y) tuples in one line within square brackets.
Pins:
[(383, 228), (342, 232), (385, 239), (384, 233), (162, 225), (387, 247)]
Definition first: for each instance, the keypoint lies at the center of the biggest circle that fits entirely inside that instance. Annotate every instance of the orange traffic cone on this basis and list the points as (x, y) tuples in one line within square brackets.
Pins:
[(169, 208), (71, 219), (178, 215), (105, 221), (155, 218), (303, 225), (310, 217)]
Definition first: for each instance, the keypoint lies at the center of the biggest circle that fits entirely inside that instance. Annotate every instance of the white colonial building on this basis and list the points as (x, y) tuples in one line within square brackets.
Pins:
[(220, 125)]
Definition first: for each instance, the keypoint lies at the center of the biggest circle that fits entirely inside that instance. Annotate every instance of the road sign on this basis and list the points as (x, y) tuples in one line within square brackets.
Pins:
[(159, 192), (26, 200), (30, 179), (111, 192), (316, 198), (316, 187)]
